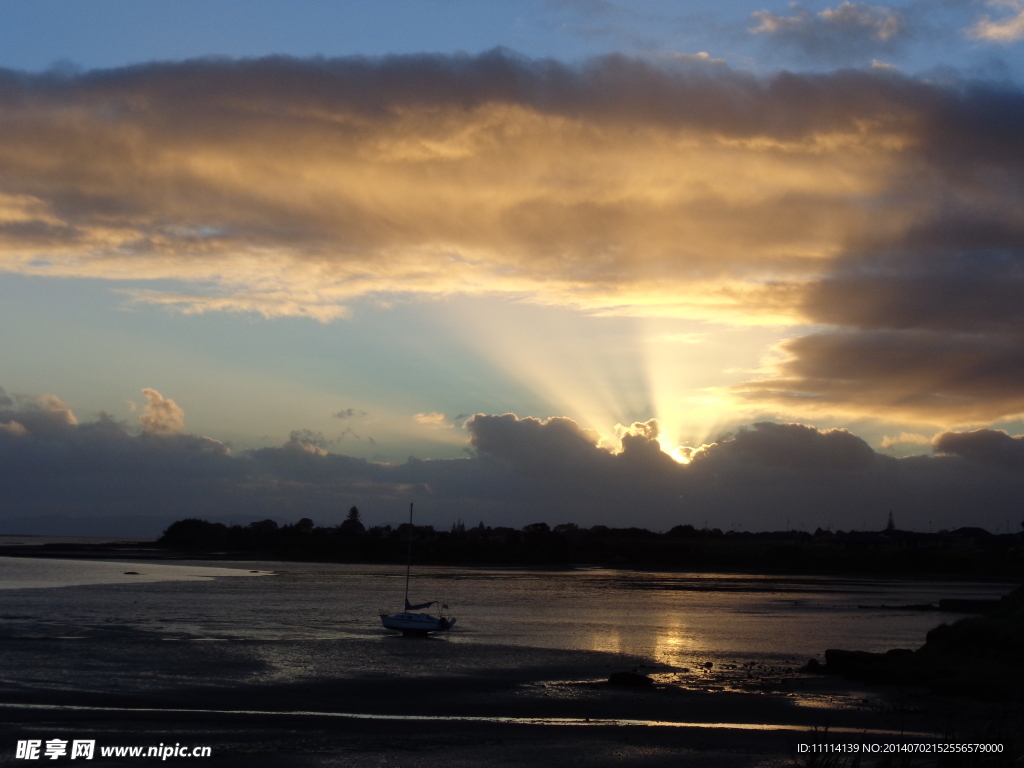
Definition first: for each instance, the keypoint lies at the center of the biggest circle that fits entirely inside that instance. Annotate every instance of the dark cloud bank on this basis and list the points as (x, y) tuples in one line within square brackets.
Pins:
[(103, 478)]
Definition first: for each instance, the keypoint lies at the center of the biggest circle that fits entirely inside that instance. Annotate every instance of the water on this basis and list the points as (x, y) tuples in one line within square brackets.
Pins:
[(30, 573), (295, 666), (673, 619), (579, 722)]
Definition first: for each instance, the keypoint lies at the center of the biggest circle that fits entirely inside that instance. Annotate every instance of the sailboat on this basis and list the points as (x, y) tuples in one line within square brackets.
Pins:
[(411, 623)]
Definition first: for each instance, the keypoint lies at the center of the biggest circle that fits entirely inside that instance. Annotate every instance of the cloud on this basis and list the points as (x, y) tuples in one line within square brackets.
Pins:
[(848, 31), (701, 57), (432, 419), (41, 415), (911, 376), (269, 304), (310, 448), (349, 432), (1008, 29), (348, 413), (793, 446), (162, 416), (946, 286), (293, 187), (761, 476), (930, 327), (536, 447), (309, 441), (12, 428), (58, 469), (880, 208), (985, 446), (905, 438)]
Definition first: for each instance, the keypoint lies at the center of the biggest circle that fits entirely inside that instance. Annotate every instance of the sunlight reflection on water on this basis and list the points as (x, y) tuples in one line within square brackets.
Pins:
[(680, 620)]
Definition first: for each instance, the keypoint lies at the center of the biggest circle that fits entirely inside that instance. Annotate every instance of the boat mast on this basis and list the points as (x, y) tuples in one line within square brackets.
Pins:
[(408, 559)]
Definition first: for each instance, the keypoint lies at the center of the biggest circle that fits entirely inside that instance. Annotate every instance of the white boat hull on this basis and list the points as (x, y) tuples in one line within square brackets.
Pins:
[(416, 623), (409, 623)]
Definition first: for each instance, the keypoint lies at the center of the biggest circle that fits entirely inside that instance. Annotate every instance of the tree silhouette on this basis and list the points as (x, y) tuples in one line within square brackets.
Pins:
[(352, 523)]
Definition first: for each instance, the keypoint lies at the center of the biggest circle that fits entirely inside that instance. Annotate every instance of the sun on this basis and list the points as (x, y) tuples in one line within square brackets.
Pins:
[(679, 453)]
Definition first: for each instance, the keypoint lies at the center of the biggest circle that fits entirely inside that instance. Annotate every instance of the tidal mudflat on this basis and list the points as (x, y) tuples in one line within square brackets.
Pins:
[(294, 669)]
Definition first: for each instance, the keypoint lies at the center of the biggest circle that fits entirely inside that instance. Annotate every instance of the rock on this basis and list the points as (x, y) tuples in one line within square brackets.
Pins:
[(842, 661), (813, 666), (995, 637), (968, 606), (630, 680), (899, 652)]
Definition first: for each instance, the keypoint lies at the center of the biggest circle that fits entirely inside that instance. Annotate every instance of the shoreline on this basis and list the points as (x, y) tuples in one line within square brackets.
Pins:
[(120, 550), (481, 719)]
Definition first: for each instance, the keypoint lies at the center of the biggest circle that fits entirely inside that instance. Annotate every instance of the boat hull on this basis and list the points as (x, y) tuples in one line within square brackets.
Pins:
[(416, 623)]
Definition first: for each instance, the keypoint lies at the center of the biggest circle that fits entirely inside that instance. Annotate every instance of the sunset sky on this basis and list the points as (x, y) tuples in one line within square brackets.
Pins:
[(643, 263)]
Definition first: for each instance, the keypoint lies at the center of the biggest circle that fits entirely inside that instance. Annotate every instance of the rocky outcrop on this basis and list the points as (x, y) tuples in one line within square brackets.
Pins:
[(981, 657), (630, 680)]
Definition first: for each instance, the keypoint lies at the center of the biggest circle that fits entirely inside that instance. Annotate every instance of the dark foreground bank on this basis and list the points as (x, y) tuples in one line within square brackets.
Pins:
[(980, 657), (274, 703)]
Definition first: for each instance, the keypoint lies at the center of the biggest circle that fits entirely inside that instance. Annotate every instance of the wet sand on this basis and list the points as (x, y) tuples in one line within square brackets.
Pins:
[(285, 703)]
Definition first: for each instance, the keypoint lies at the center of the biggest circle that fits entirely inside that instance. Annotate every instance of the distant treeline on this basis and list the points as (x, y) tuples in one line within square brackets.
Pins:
[(966, 551)]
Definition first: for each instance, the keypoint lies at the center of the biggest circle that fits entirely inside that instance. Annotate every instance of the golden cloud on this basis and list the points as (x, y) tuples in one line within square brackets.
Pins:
[(857, 201), (432, 419), (905, 438), (291, 188), (162, 415)]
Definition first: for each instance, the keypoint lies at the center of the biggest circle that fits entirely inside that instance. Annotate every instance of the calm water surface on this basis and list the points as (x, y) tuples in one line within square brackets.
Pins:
[(670, 618), (30, 573)]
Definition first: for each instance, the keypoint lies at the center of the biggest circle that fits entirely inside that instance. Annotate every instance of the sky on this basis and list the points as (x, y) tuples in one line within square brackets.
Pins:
[(739, 265)]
